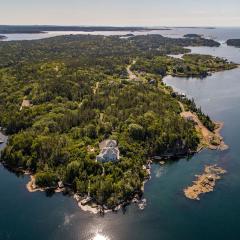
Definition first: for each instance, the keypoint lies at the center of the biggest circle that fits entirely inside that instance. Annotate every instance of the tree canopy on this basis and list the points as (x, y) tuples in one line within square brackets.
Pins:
[(80, 94)]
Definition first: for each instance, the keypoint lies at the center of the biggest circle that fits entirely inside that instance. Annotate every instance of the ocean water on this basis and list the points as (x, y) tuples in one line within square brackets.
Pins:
[(168, 215)]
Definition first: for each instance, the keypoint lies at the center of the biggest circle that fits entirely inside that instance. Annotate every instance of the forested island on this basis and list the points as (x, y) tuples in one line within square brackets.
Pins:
[(192, 35), (233, 42), (61, 97)]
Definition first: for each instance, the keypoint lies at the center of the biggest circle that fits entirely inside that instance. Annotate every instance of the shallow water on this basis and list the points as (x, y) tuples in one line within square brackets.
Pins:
[(168, 215)]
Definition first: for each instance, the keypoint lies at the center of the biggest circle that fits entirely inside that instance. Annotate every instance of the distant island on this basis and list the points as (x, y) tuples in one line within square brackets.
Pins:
[(8, 29), (192, 35), (233, 42), (88, 114), (197, 27), (2, 37)]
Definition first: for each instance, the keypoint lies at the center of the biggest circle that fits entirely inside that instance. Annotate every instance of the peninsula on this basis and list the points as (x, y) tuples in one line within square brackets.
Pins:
[(62, 97)]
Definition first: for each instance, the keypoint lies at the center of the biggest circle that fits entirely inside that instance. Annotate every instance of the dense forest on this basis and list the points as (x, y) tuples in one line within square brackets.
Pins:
[(191, 65), (79, 93), (233, 42)]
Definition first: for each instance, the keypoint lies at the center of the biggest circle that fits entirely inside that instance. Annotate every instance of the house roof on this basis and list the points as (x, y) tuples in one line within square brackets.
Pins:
[(108, 143), (109, 150), (111, 143), (108, 147)]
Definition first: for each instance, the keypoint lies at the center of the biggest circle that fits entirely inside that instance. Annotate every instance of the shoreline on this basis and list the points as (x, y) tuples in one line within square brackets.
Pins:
[(31, 186), (91, 207), (208, 139), (219, 126), (221, 146), (94, 208), (209, 73), (212, 140)]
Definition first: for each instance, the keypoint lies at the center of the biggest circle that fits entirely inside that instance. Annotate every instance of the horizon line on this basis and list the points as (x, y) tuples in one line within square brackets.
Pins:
[(140, 26)]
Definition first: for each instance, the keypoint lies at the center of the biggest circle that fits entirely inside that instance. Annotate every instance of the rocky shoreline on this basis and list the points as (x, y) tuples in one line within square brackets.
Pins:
[(222, 146), (86, 203), (208, 139), (205, 182)]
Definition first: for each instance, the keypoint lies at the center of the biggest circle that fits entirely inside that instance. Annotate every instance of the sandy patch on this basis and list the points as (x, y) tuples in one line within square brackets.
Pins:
[(212, 140)]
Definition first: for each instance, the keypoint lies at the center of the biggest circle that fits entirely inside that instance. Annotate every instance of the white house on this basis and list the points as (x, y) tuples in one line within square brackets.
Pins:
[(109, 151)]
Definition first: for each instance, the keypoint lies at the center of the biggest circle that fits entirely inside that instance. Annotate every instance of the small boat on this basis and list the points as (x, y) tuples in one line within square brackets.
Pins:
[(1, 141)]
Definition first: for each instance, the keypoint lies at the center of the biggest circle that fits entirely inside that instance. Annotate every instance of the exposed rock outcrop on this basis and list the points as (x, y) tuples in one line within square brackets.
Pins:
[(205, 183)]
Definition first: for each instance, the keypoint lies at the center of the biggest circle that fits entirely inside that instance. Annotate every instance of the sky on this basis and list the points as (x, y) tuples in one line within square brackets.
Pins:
[(121, 12)]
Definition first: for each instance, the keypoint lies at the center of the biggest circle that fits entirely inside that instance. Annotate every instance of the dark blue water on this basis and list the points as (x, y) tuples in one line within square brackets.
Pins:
[(168, 215)]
